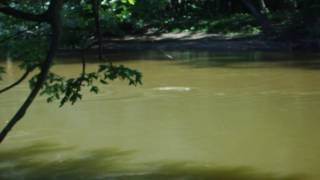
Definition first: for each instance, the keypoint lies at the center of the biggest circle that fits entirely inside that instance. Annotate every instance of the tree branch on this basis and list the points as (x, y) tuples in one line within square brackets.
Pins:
[(24, 15), (55, 22), (83, 58), (262, 19), (23, 77), (98, 36)]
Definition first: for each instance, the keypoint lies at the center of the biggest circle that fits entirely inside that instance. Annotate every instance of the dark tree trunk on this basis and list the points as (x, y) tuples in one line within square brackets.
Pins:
[(261, 18), (295, 4), (263, 6), (53, 18), (95, 8)]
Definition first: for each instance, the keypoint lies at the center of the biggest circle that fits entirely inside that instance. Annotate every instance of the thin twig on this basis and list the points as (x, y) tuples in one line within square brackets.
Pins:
[(44, 17), (83, 58), (23, 77)]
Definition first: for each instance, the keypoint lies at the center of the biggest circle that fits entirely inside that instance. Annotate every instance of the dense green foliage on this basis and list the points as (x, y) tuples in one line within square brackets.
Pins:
[(291, 18), (120, 18), (69, 89)]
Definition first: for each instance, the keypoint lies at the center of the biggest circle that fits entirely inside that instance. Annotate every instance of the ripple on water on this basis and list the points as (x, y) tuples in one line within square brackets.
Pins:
[(140, 93), (173, 88)]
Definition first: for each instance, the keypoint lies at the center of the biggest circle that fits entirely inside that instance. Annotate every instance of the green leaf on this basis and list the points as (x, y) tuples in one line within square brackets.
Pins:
[(50, 99), (103, 81), (94, 89), (132, 2)]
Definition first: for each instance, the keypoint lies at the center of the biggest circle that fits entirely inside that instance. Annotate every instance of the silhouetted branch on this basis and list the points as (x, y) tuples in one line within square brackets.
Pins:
[(83, 59), (23, 77), (23, 15), (261, 18), (95, 8), (55, 22)]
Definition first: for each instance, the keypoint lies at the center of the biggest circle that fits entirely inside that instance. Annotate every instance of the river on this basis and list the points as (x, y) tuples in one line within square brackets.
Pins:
[(198, 115)]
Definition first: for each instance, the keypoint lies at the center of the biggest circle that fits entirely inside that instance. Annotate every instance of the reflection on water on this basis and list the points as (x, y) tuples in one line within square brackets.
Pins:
[(198, 115), (26, 163)]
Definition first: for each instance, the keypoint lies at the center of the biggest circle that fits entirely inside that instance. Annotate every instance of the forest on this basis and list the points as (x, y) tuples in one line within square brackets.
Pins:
[(85, 20)]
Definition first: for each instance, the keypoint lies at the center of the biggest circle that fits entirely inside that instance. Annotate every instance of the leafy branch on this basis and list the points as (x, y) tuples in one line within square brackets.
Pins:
[(23, 77), (32, 58), (58, 88)]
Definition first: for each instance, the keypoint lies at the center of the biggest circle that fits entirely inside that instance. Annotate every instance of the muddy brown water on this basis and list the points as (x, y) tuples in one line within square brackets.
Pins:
[(198, 115)]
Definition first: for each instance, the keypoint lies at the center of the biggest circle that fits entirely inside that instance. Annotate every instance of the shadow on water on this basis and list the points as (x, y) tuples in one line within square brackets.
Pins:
[(26, 163), (205, 59), (208, 59), (247, 60)]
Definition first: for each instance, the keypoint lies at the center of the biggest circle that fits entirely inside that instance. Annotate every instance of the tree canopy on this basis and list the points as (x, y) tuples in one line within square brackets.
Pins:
[(41, 55)]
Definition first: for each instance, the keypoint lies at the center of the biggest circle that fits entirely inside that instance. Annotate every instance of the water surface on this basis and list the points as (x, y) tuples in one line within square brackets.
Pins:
[(198, 115)]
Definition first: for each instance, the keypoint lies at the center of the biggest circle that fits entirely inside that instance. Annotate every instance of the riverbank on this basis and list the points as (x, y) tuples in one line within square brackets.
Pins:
[(185, 41)]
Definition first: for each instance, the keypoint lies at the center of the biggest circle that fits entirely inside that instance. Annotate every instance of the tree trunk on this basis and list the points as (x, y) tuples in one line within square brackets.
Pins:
[(95, 8), (263, 6), (261, 18), (54, 20)]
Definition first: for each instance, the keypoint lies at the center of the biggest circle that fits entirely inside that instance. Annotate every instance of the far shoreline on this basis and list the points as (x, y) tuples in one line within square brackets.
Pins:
[(196, 42)]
